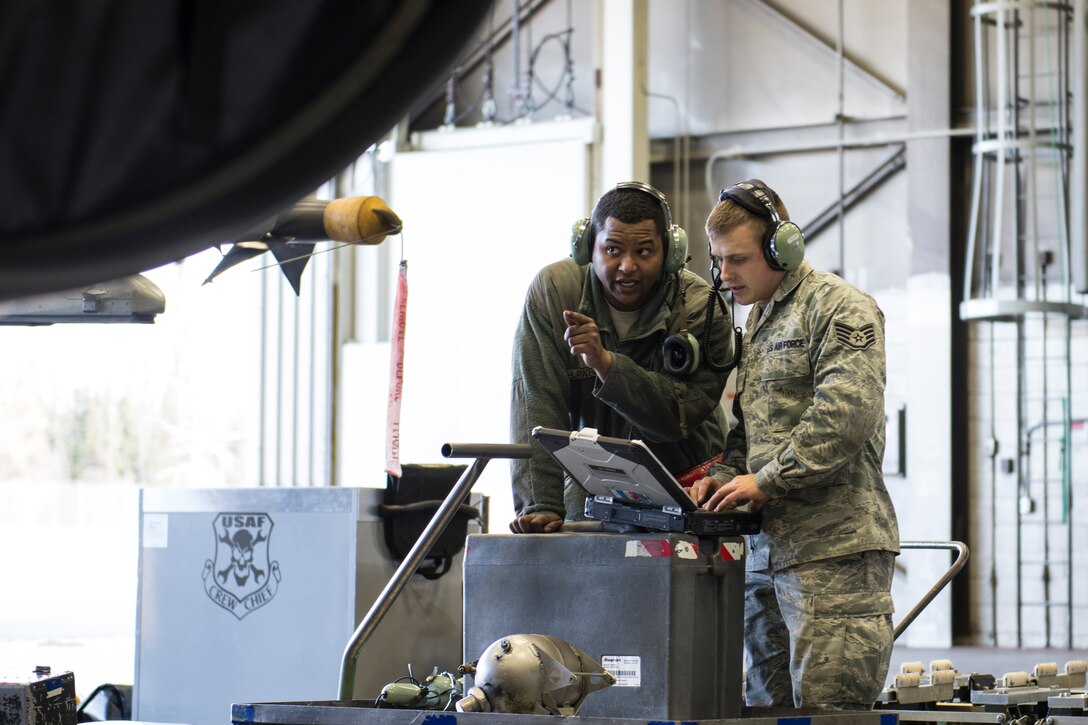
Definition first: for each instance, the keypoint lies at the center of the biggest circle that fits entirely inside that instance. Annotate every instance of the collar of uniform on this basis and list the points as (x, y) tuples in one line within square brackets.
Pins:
[(653, 315), (792, 279)]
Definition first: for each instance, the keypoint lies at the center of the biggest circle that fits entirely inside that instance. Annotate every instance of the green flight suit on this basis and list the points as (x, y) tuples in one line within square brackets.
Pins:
[(680, 418)]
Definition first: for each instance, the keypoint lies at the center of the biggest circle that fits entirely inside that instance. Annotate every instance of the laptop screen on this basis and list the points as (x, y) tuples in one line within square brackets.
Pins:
[(623, 470)]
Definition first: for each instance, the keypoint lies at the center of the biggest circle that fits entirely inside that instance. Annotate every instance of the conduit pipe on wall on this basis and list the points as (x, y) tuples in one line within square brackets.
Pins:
[(738, 152), (1078, 181)]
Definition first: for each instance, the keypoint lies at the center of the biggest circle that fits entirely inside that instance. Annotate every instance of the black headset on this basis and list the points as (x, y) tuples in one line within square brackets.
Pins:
[(683, 352), (583, 233), (784, 245)]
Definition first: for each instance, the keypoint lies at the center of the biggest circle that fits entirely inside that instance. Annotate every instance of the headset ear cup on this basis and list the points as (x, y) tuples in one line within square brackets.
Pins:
[(581, 241), (769, 250), (680, 354), (676, 249), (786, 245)]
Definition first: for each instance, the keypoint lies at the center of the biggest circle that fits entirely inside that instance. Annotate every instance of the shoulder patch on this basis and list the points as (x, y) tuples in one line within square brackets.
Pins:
[(858, 338)]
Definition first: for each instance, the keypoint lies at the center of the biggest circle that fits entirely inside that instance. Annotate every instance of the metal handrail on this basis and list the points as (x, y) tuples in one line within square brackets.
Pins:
[(483, 452), (953, 570)]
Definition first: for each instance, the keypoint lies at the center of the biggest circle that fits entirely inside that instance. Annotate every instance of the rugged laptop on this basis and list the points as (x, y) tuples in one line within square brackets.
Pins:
[(627, 484)]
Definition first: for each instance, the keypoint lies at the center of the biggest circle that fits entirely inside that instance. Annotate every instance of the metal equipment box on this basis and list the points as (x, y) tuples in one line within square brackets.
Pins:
[(38, 698), (664, 613), (252, 594)]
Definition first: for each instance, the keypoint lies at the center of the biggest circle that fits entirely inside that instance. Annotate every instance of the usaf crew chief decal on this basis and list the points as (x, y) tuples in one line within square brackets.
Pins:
[(241, 578)]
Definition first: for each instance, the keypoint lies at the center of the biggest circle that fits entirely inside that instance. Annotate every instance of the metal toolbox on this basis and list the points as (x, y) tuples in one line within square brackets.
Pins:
[(662, 612)]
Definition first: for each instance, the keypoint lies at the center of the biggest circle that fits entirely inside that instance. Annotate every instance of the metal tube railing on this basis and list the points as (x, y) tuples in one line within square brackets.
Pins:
[(953, 570), (483, 452)]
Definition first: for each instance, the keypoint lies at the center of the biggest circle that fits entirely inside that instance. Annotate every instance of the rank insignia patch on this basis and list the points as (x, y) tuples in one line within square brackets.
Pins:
[(858, 338)]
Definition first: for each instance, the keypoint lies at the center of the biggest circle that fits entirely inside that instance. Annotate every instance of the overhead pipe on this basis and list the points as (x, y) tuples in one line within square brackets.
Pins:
[(739, 152)]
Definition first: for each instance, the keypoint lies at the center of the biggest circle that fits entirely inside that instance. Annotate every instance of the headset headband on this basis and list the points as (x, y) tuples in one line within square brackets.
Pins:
[(646, 188), (783, 243), (742, 193)]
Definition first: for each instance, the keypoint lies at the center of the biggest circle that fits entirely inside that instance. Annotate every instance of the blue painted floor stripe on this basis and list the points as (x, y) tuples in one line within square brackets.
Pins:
[(796, 721)]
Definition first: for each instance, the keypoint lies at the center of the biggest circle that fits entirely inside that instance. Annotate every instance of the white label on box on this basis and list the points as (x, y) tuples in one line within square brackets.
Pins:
[(686, 550), (732, 550), (627, 669), (156, 528)]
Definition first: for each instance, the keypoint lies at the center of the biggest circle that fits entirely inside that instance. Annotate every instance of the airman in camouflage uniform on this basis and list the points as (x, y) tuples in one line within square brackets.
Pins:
[(588, 353), (808, 452)]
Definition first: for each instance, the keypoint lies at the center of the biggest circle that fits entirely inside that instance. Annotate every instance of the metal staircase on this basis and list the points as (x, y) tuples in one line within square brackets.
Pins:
[(1018, 287)]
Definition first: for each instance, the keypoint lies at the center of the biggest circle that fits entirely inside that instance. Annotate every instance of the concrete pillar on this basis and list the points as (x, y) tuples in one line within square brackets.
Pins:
[(623, 43)]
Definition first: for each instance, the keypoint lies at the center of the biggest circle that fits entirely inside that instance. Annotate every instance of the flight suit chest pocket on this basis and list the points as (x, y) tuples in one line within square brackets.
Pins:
[(786, 380), (785, 365)]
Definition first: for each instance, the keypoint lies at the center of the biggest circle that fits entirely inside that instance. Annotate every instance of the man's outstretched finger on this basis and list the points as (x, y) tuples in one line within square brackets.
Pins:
[(575, 318)]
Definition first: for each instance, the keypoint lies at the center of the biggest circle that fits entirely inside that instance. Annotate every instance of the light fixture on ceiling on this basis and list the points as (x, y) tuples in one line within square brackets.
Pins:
[(126, 300)]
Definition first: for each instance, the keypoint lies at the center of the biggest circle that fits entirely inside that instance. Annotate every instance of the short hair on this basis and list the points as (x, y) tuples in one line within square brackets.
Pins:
[(728, 214), (630, 206)]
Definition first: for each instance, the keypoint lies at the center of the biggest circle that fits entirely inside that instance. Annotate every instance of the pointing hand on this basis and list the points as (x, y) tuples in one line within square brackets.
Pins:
[(584, 338)]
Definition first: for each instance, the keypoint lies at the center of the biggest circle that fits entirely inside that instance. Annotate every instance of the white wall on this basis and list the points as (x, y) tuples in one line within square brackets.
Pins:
[(917, 348), (995, 499), (481, 217)]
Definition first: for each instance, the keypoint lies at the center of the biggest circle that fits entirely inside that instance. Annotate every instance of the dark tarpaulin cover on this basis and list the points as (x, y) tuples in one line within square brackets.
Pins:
[(136, 132)]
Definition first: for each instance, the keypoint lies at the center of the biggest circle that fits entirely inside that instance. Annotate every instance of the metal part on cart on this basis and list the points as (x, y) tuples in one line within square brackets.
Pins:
[(1068, 709), (913, 686), (1015, 697), (533, 673), (1075, 674), (437, 692)]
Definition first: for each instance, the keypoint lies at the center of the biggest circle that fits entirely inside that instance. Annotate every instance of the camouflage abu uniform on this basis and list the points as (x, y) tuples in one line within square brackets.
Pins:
[(680, 418), (810, 399)]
